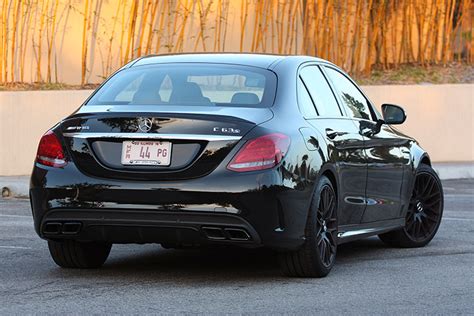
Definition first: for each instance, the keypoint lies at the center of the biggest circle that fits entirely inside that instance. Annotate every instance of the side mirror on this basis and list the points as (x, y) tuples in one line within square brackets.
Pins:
[(393, 114)]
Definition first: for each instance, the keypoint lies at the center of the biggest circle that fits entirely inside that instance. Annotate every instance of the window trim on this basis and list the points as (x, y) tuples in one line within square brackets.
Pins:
[(317, 65), (375, 115), (299, 79)]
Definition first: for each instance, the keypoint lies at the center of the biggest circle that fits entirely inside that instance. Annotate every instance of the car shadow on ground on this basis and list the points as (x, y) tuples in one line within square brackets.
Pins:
[(216, 264)]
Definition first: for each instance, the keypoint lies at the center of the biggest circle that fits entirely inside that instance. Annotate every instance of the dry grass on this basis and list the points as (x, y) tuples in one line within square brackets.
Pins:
[(21, 86), (415, 74)]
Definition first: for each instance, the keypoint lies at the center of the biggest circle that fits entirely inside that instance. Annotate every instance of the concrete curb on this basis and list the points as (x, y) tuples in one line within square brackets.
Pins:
[(454, 170), (18, 186)]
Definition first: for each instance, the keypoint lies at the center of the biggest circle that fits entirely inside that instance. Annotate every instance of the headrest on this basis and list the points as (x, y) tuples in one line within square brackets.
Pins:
[(245, 98), (187, 92), (146, 97)]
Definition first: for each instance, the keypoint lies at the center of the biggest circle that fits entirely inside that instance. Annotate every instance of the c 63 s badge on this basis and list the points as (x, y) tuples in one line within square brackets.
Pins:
[(228, 130)]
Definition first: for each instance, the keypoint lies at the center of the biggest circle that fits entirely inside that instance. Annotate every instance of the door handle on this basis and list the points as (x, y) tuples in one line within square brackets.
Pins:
[(331, 134)]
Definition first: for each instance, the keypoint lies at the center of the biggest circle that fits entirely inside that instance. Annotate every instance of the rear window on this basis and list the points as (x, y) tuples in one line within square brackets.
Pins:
[(189, 84)]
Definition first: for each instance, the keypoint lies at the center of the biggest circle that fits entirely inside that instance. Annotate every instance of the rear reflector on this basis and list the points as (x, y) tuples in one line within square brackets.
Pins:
[(260, 153), (50, 152)]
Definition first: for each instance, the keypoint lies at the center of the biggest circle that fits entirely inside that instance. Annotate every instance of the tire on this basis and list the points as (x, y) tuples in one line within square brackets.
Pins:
[(74, 254), (424, 213), (317, 255)]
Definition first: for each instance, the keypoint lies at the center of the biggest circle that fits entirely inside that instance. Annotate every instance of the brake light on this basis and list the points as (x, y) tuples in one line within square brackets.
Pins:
[(50, 152), (260, 153)]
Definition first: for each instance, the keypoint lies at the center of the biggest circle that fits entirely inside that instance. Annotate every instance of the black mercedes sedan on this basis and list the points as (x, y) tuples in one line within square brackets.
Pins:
[(192, 150)]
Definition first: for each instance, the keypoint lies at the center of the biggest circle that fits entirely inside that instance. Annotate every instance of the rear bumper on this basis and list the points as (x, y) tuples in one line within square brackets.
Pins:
[(271, 211), (125, 226)]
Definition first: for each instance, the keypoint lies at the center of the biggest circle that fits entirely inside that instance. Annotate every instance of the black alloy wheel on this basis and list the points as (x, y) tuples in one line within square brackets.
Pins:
[(317, 255), (327, 226), (424, 212)]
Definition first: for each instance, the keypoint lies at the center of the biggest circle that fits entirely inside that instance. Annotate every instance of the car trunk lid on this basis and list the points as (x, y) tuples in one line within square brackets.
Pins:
[(199, 138)]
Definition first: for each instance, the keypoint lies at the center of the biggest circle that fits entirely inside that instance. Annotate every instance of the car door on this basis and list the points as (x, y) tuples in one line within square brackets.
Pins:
[(343, 140), (383, 151)]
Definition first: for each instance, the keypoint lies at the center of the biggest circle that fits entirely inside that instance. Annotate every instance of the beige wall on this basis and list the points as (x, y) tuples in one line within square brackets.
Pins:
[(440, 117)]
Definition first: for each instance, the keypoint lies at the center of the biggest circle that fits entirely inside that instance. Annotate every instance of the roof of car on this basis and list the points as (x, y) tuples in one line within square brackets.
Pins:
[(247, 59)]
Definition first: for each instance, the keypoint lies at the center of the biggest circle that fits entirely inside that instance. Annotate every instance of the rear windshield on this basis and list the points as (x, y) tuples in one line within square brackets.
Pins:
[(189, 84)]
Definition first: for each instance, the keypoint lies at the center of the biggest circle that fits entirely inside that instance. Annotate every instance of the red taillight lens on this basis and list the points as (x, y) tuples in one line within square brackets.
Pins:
[(260, 153), (50, 152)]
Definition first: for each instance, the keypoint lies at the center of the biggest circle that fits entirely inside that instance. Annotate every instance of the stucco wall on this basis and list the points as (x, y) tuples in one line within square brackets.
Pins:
[(441, 117)]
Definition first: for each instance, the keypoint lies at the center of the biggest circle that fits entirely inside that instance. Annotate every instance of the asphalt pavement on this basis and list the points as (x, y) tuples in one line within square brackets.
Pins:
[(369, 277)]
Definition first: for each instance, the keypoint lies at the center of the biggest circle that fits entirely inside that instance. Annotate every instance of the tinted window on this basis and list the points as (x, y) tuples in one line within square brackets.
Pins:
[(189, 84), (354, 101), (320, 91), (304, 101)]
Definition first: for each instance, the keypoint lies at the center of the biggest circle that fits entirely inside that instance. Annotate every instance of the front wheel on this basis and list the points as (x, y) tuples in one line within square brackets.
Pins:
[(424, 212), (318, 254), (74, 254)]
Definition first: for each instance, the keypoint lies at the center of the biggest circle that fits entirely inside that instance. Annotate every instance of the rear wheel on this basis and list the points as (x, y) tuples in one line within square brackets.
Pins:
[(318, 254), (424, 212), (74, 254)]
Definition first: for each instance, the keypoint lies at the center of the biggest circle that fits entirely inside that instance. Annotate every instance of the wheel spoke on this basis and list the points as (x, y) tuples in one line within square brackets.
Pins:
[(433, 202), (432, 186), (322, 249), (326, 225), (327, 260), (423, 230), (433, 195), (410, 225), (330, 205), (320, 221), (428, 186), (326, 202), (417, 229), (319, 239), (332, 241), (332, 220), (432, 218), (323, 201)]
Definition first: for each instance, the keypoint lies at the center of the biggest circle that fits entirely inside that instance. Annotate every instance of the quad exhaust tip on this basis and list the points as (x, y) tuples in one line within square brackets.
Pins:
[(226, 233), (67, 228)]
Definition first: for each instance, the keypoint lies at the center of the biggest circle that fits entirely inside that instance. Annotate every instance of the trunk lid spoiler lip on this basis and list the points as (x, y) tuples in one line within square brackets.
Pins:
[(248, 114), (198, 137)]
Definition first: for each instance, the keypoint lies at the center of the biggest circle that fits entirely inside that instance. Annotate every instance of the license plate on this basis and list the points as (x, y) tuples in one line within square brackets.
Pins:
[(141, 152)]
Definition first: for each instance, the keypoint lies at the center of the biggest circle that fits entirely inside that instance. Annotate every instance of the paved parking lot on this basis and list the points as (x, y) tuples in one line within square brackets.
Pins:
[(368, 277)]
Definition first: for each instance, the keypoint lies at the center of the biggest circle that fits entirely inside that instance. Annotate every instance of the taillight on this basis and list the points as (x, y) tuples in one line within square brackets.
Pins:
[(50, 152), (260, 153)]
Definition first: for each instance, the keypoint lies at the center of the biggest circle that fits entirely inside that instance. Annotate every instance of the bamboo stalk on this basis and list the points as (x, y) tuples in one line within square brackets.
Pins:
[(141, 28), (2, 21), (16, 12), (95, 15), (151, 24), (108, 63), (243, 21), (180, 39), (5, 15), (44, 9), (131, 31), (84, 43), (51, 38), (122, 32), (226, 24)]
